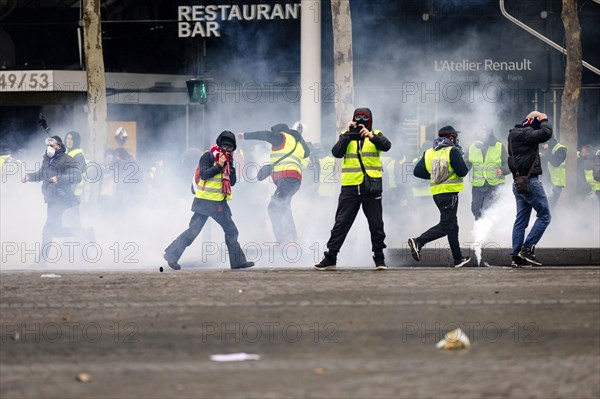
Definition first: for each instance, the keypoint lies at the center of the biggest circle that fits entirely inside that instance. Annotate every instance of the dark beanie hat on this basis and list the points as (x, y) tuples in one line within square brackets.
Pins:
[(447, 131)]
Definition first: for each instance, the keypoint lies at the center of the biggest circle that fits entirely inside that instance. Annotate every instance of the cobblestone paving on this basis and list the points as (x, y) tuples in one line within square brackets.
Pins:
[(348, 333)]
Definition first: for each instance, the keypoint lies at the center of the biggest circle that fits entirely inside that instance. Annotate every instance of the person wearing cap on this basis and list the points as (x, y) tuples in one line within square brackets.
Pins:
[(360, 147), (288, 149), (58, 174), (524, 160), (215, 175), (443, 165)]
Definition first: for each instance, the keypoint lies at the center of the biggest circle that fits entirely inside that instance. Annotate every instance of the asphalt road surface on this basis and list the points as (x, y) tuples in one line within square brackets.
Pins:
[(349, 333)]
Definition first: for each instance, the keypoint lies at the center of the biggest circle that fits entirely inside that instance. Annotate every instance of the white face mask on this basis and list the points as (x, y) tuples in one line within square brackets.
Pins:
[(50, 151)]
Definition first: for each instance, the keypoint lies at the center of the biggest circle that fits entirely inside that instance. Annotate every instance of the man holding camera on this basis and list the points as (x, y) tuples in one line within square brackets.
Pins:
[(214, 178), (524, 163), (360, 146)]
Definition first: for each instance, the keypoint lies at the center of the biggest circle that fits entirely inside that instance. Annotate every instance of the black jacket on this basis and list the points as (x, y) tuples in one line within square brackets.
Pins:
[(65, 168), (525, 148), (275, 138)]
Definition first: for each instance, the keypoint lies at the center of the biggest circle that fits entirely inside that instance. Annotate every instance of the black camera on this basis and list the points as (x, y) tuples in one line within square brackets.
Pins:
[(354, 132)]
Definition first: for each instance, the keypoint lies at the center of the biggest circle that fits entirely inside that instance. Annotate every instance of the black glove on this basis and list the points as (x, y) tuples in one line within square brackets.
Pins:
[(43, 124)]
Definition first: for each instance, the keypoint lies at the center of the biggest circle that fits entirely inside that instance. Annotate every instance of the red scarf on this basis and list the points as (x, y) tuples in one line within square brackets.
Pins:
[(216, 151)]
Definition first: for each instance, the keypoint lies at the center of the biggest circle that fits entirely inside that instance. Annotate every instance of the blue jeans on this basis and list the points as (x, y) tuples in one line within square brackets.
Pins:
[(537, 200)]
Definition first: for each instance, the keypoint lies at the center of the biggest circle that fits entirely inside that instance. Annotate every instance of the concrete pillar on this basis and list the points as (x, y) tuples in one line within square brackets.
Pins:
[(310, 69)]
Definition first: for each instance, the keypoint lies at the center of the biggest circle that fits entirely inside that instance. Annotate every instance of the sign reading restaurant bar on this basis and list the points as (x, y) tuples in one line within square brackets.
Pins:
[(205, 21)]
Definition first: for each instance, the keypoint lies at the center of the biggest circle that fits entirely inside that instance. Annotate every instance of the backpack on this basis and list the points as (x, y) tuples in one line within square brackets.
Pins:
[(439, 168)]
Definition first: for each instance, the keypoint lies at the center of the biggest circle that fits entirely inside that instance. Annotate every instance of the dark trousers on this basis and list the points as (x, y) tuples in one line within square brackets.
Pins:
[(54, 227), (348, 205), (556, 191), (447, 203), (483, 197), (223, 218), (280, 210)]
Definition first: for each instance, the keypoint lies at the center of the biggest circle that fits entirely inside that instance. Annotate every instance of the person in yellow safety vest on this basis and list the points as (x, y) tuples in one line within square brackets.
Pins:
[(443, 165), (73, 147), (360, 146), (9, 165), (214, 178), (554, 156), (489, 162), (73, 143), (288, 149), (588, 168), (596, 174), (391, 165)]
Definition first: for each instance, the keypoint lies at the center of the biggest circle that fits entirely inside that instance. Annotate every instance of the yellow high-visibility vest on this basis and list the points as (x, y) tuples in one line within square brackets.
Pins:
[(3, 159), (212, 189), (292, 161), (558, 174), (589, 177), (352, 174), (485, 169), (453, 184), (79, 188)]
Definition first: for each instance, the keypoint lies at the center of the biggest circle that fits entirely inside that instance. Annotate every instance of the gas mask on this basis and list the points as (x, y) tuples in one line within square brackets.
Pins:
[(50, 151)]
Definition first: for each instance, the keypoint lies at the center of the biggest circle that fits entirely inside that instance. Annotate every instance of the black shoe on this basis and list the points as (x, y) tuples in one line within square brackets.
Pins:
[(328, 262), (172, 263), (461, 262), (529, 256), (415, 249), (517, 263), (379, 263), (243, 266)]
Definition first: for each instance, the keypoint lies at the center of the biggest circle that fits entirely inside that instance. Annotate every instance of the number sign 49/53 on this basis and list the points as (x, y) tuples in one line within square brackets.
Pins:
[(26, 81)]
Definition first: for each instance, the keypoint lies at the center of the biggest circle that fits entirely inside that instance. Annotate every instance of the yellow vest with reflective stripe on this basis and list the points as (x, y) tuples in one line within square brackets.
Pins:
[(352, 174), (212, 189), (485, 170), (292, 161), (3, 158), (589, 177), (328, 176), (389, 164), (558, 174), (79, 188), (453, 184)]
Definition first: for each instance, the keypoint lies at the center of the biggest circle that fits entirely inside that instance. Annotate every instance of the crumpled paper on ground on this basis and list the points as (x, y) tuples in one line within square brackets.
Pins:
[(455, 339)]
